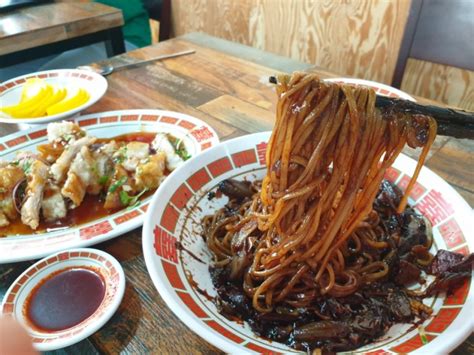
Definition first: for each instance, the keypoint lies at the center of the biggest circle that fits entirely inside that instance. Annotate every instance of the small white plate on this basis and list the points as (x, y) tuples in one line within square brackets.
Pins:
[(95, 84), (182, 277), (196, 135), (380, 89), (104, 264)]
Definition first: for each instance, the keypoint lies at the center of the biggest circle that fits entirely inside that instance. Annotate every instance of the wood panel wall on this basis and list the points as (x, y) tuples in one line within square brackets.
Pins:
[(447, 84), (359, 38)]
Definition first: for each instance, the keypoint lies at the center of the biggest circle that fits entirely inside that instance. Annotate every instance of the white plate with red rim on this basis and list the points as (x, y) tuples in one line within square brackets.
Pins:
[(103, 264), (71, 79), (196, 135), (380, 89), (178, 220)]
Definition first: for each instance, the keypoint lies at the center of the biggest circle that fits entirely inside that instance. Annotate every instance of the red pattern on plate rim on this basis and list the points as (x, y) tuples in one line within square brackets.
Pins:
[(169, 218), (219, 166), (186, 124), (172, 274), (417, 191), (451, 233), (443, 319), (87, 122), (95, 230), (127, 118), (170, 120), (201, 134), (38, 134), (16, 141), (224, 332), (198, 179), (108, 119), (261, 152), (191, 304), (392, 174), (165, 244), (127, 216), (206, 145), (434, 207), (44, 76), (260, 349), (245, 157), (151, 118), (377, 352), (459, 296), (412, 344), (181, 196)]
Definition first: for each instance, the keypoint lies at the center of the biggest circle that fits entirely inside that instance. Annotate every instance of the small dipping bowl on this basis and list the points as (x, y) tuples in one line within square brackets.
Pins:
[(88, 286)]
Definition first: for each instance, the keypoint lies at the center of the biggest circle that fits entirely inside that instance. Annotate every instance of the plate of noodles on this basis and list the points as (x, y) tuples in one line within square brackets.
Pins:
[(309, 238)]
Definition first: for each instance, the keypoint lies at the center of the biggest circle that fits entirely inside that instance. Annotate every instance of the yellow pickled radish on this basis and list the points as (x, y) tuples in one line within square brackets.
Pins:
[(10, 109), (20, 109), (69, 103), (31, 87), (38, 99), (58, 95), (25, 109)]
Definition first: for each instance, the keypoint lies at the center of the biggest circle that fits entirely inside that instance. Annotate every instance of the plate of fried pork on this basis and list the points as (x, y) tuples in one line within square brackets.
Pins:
[(80, 182)]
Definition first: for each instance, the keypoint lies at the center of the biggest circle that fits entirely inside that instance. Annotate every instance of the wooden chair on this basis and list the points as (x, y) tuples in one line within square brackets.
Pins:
[(160, 10), (438, 31)]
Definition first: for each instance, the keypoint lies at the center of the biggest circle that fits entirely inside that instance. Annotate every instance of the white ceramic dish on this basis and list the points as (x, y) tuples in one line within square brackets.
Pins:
[(197, 136), (95, 84), (102, 263), (178, 220), (380, 89)]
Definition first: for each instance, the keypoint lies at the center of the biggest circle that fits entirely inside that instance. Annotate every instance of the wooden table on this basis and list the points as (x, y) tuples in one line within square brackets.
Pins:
[(224, 84), (37, 31)]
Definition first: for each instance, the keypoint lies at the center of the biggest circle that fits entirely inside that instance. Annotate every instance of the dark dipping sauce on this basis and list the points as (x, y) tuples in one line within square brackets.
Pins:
[(64, 299)]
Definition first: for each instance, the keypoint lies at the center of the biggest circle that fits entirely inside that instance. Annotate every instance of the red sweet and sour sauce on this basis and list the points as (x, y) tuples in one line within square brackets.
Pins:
[(64, 299)]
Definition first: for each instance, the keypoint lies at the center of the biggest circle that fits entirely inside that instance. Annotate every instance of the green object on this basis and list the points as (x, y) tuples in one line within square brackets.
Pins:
[(117, 184), (137, 26)]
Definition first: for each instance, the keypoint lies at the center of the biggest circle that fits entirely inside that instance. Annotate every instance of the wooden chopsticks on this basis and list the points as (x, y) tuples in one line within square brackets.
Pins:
[(453, 123)]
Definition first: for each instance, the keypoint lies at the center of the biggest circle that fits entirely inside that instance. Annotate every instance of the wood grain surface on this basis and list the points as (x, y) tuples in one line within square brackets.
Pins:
[(38, 25), (450, 85), (352, 38), (231, 93), (355, 38)]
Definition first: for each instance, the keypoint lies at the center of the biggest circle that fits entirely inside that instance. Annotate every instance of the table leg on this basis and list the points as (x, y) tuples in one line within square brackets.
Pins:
[(114, 44)]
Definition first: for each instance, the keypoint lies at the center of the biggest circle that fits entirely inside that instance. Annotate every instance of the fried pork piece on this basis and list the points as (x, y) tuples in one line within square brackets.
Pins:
[(150, 174), (10, 175), (119, 182), (134, 153), (79, 177), (64, 132), (162, 144), (53, 205), (3, 220), (103, 167), (60, 167), (36, 174)]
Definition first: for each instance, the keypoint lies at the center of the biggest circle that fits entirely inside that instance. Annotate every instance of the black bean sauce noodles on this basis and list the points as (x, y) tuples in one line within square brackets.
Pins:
[(319, 253)]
